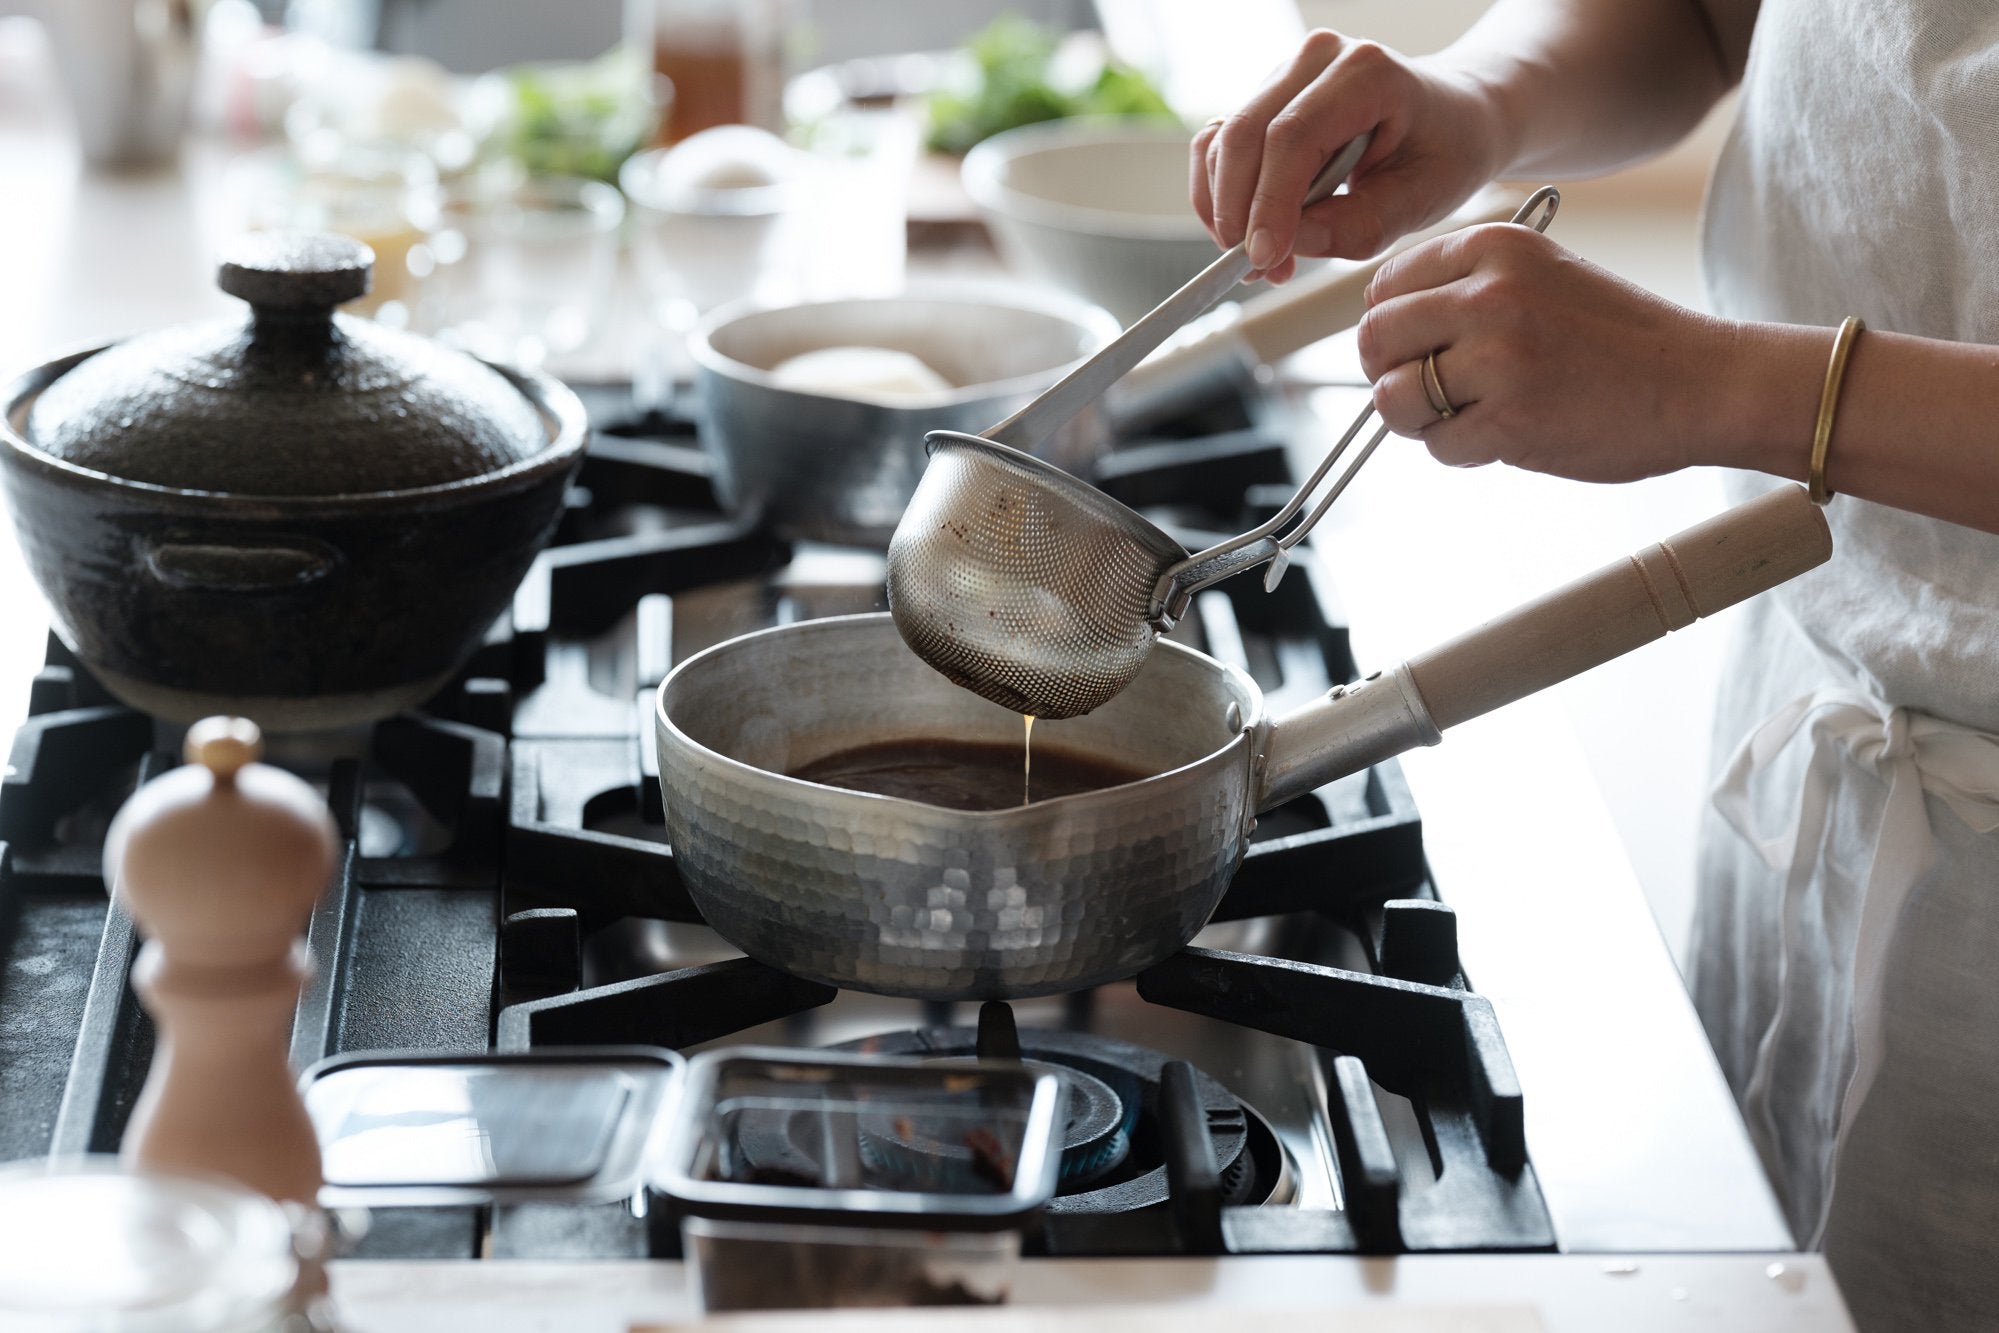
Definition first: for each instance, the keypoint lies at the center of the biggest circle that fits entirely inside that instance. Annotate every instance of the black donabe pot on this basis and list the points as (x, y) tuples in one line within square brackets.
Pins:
[(302, 611)]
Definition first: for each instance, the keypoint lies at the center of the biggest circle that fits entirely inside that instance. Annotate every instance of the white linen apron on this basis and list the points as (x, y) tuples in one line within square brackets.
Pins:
[(1846, 940)]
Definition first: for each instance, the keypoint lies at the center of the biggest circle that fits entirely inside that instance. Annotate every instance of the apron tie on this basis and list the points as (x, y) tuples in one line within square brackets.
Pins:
[(1912, 754)]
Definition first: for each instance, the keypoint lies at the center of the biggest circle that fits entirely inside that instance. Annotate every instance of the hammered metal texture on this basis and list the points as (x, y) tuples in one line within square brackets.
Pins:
[(901, 898), (1021, 583)]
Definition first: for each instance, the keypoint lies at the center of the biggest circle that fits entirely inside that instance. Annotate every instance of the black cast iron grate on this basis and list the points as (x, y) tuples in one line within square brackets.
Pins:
[(493, 838)]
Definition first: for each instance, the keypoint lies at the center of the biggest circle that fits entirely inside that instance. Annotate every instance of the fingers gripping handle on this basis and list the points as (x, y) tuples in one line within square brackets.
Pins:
[(1292, 318), (1276, 323), (1027, 428), (1709, 567), (1180, 581)]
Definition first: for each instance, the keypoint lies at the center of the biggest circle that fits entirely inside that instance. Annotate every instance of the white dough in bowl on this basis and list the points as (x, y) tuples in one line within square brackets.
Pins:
[(860, 372)]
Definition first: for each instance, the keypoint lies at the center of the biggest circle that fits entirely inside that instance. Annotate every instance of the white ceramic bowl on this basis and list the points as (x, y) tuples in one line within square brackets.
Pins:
[(715, 217), (1098, 207)]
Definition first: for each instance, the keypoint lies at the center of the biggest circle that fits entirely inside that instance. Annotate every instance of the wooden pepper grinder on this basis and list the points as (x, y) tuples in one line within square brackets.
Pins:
[(220, 862)]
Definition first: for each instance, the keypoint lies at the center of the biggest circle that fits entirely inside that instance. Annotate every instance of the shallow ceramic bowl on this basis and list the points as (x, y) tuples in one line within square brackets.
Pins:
[(841, 468), (1097, 207), (302, 612)]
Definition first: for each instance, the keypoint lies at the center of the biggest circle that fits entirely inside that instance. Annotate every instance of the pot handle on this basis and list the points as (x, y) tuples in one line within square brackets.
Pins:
[(1712, 565), (272, 564)]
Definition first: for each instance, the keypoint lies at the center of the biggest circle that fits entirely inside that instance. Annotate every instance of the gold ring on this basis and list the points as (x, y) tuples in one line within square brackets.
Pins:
[(1218, 120), (1433, 389)]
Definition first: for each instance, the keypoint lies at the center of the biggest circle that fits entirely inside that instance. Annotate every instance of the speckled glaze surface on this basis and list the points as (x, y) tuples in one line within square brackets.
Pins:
[(902, 898), (304, 611), (291, 398)]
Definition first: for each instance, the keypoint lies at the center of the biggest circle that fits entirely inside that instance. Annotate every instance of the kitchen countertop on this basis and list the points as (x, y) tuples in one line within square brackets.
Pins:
[(1629, 1123), (1428, 1294)]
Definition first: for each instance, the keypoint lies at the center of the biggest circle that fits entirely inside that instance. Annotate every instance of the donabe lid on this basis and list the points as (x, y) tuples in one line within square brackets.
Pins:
[(428, 1128), (291, 399)]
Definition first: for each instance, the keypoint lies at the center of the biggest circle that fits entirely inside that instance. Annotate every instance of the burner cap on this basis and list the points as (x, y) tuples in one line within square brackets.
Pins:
[(1096, 1135), (1127, 1172)]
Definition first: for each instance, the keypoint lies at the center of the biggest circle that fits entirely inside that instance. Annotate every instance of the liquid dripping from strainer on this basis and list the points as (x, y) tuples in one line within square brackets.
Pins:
[(1027, 760)]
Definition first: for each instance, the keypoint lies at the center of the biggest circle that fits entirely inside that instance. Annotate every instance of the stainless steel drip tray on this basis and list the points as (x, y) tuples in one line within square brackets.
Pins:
[(423, 1128)]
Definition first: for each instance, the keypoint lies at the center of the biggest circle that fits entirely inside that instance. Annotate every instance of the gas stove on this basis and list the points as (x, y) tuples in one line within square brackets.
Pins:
[(505, 884)]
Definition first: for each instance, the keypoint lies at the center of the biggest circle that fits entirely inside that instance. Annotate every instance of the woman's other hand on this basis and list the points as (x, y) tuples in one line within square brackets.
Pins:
[(1437, 139), (1547, 361)]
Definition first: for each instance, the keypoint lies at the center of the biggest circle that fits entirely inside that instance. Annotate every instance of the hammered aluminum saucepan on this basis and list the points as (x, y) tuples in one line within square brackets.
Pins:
[(900, 897)]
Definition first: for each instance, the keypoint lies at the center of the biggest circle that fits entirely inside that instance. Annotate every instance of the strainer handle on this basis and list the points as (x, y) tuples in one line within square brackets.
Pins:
[(1040, 419), (1272, 541)]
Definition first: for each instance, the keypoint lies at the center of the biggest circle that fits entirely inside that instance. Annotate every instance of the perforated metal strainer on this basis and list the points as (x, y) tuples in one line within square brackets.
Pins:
[(1021, 583), (1034, 589)]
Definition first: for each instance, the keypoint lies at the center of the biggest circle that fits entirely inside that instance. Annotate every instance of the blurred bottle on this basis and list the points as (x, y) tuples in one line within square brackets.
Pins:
[(725, 59), (130, 68)]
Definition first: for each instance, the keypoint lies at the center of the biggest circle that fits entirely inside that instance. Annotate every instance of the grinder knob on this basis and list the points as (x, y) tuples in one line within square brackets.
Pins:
[(219, 863)]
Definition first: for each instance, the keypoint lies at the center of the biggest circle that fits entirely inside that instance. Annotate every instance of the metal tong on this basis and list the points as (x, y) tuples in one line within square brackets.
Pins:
[(1272, 541)]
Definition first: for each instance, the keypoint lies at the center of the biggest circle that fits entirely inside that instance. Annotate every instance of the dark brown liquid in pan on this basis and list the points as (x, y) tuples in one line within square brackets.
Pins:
[(964, 775)]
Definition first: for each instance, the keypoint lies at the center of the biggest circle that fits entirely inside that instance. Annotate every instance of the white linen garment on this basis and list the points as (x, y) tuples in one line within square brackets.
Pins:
[(1846, 950)]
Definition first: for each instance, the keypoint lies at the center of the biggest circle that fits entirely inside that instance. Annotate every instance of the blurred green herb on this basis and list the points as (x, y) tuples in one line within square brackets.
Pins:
[(578, 120), (1012, 59), (1122, 91)]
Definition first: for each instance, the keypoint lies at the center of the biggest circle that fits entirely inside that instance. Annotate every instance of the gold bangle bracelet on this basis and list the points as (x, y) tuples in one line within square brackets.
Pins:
[(1835, 375)]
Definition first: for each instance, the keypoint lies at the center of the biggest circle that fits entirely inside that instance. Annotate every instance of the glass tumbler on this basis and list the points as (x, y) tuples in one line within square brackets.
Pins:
[(716, 219), (862, 160), (385, 198), (524, 267)]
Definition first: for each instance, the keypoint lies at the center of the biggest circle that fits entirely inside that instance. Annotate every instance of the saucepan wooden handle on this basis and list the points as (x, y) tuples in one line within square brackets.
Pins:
[(1750, 549)]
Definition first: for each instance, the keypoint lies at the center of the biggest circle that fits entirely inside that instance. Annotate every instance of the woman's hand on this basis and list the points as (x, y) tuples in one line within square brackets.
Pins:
[(1549, 363), (1437, 139), (1552, 364)]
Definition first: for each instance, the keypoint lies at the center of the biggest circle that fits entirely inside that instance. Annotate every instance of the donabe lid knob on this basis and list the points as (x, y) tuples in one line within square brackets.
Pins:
[(296, 270)]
